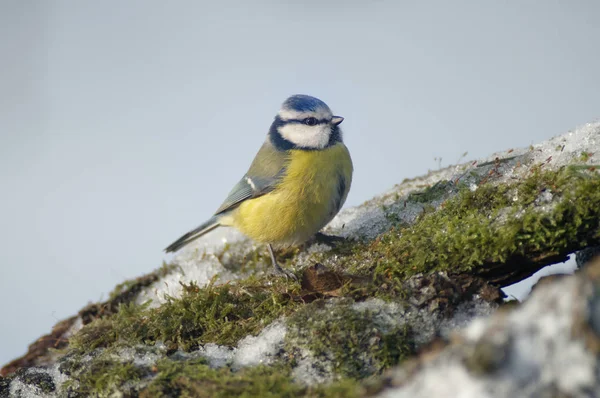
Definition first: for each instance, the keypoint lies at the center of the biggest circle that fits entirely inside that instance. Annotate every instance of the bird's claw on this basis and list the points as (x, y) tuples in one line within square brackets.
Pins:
[(278, 271)]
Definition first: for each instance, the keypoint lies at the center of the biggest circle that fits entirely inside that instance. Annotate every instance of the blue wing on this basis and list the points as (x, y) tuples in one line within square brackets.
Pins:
[(264, 174)]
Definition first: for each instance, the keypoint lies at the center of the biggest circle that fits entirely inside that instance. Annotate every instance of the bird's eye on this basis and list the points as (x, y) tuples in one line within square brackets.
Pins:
[(310, 121)]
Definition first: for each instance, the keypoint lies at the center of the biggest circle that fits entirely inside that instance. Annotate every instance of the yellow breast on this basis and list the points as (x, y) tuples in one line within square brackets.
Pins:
[(309, 195)]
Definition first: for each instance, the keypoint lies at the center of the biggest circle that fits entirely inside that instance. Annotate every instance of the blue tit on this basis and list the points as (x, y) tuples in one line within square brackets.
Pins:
[(296, 184)]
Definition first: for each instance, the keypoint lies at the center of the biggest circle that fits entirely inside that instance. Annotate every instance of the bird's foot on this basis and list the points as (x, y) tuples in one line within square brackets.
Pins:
[(278, 271), (330, 240)]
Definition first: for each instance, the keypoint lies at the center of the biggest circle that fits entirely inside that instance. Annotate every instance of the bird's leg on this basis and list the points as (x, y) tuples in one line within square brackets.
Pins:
[(331, 240), (277, 269)]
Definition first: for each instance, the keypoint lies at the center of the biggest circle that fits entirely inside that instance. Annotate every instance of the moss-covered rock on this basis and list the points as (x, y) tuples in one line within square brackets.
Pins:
[(356, 340), (546, 346), (416, 263), (213, 314), (549, 214)]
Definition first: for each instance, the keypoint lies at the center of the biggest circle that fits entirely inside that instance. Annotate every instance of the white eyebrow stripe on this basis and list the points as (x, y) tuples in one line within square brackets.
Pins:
[(251, 183)]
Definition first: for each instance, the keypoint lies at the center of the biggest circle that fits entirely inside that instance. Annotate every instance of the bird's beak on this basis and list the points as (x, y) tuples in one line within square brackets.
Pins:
[(336, 120)]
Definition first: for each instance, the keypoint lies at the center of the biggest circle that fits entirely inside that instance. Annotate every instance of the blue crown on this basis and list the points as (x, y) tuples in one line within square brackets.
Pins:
[(304, 103)]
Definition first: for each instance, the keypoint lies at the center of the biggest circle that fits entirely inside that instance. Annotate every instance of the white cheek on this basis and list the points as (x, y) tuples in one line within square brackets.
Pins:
[(306, 136)]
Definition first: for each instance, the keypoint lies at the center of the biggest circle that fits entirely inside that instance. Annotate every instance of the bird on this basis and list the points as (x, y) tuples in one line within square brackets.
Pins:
[(297, 182)]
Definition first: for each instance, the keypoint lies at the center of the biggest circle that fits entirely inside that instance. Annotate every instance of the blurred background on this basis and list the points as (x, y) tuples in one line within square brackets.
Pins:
[(124, 124)]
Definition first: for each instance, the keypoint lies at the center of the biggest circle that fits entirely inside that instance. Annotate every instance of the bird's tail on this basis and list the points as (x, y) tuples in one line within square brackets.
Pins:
[(194, 234)]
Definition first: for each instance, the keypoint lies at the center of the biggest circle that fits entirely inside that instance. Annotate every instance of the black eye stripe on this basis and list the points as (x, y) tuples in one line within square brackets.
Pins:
[(301, 121)]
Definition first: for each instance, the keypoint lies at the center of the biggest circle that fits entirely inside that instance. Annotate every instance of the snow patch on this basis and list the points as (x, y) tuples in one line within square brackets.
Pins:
[(218, 356), (261, 349), (199, 262)]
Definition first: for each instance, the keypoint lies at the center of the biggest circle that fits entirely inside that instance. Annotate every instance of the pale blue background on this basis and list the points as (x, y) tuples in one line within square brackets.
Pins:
[(123, 124)]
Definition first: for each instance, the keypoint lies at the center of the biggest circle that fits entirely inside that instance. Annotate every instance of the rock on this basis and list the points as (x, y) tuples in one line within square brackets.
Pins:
[(583, 256), (377, 312), (547, 346), (33, 382), (4, 387)]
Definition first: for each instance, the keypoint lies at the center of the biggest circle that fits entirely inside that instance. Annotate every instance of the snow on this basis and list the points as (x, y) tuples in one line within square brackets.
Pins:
[(250, 351), (261, 349), (218, 356), (141, 356), (520, 290), (198, 262)]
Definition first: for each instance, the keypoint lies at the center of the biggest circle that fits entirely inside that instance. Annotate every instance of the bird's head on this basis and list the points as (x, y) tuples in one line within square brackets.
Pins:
[(305, 122)]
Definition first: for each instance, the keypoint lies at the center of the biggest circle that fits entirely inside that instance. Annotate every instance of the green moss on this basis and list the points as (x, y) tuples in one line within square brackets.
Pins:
[(101, 375), (196, 379), (105, 376), (100, 333), (218, 314), (468, 231), (357, 343), (585, 156), (489, 225)]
